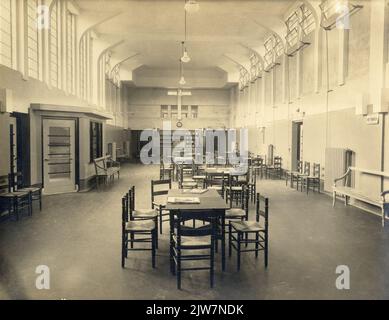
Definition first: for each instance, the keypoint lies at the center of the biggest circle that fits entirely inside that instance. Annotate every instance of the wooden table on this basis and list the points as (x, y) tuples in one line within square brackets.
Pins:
[(211, 203)]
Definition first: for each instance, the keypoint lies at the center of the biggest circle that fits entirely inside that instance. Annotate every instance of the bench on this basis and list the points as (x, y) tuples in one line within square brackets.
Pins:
[(107, 168), (349, 192)]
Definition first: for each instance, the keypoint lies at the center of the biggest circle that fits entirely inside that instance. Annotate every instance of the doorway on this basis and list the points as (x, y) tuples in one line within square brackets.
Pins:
[(59, 156), (297, 143)]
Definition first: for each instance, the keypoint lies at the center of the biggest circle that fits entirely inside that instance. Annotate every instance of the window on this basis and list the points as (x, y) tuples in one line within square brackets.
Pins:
[(308, 21), (70, 49), (54, 45), (86, 51), (6, 33), (273, 49), (255, 67), (194, 111), (174, 112), (301, 20), (32, 39), (292, 25), (83, 68), (96, 140), (164, 112), (184, 112)]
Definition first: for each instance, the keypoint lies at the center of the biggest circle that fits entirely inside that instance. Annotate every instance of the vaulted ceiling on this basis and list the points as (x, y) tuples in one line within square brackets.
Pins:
[(219, 35)]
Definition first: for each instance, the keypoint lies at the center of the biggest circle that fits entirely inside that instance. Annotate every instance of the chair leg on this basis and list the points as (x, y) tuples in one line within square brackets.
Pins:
[(229, 240), (212, 271), (160, 220), (266, 250), (156, 234), (256, 245), (153, 246), (30, 204), (123, 251), (178, 271), (132, 240), (238, 251)]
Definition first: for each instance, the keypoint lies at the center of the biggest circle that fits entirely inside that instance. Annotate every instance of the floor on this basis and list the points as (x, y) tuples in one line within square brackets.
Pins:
[(78, 237)]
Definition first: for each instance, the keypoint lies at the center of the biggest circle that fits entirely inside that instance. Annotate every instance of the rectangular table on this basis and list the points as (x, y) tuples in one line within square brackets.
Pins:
[(210, 202)]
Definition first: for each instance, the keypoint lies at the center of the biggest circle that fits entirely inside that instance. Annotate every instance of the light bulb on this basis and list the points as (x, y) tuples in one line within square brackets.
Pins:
[(182, 80), (192, 6), (185, 58)]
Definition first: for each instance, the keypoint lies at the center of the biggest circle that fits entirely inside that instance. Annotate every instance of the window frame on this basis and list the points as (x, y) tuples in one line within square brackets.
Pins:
[(96, 131)]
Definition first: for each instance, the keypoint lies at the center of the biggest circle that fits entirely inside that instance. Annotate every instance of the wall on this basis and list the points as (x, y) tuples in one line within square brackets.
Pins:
[(27, 91), (144, 107), (335, 125)]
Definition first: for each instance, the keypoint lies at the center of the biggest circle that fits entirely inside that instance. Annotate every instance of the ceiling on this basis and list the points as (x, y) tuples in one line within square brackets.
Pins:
[(220, 33)]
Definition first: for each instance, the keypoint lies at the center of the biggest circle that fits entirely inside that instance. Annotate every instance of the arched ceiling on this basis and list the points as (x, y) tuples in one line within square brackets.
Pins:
[(153, 29)]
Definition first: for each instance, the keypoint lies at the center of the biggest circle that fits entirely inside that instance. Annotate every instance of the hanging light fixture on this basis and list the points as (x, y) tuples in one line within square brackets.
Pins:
[(182, 81), (191, 6), (185, 56)]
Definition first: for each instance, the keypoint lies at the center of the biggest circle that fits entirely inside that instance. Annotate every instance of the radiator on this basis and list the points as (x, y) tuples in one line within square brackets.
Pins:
[(336, 164)]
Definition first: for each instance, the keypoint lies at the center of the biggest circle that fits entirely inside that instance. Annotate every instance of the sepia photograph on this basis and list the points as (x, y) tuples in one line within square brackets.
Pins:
[(213, 152)]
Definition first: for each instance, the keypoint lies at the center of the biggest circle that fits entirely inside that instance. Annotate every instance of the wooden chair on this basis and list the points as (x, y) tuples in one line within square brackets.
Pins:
[(216, 181), (257, 166), (14, 201), (142, 214), (132, 228), (241, 232), (165, 171), (302, 176), (237, 181), (185, 181), (313, 180), (199, 175), (190, 243), (17, 184), (252, 184), (159, 191), (293, 176), (106, 168), (239, 209), (275, 171)]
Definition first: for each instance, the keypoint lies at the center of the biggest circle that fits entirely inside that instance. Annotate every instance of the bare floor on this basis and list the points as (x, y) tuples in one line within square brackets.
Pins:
[(78, 237)]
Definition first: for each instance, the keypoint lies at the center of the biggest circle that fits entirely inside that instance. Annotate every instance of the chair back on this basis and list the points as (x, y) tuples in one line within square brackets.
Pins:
[(100, 165), (243, 203), (238, 178), (299, 166), (277, 162), (252, 176), (4, 184), (15, 181), (307, 168), (164, 170), (160, 188), (215, 179), (202, 231), (125, 207), (257, 162), (262, 210), (316, 170)]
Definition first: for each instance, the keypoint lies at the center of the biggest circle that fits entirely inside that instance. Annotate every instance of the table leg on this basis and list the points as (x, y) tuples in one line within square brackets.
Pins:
[(171, 222), (223, 243)]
